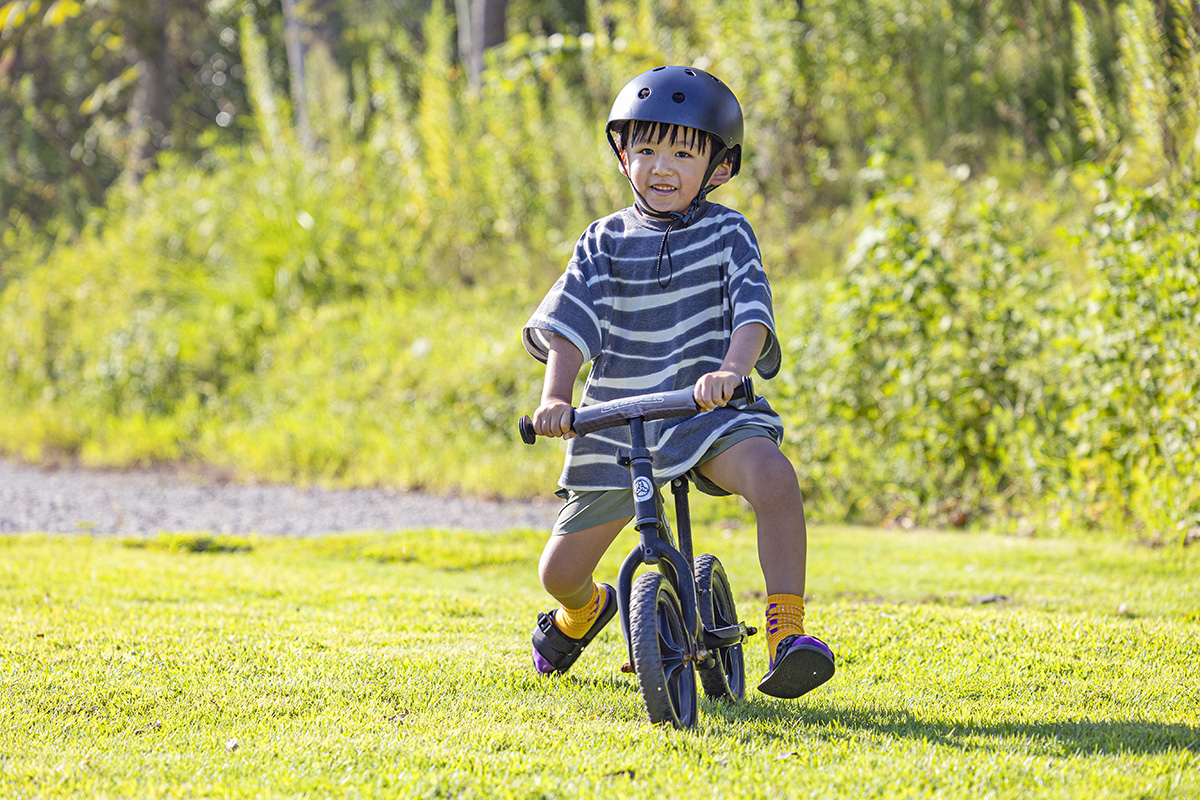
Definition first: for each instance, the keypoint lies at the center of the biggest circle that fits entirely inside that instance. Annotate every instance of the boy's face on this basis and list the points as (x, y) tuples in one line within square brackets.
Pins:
[(668, 173)]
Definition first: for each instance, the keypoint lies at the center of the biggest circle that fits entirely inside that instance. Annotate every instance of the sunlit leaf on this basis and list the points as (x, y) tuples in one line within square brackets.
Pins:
[(62, 10), (93, 102), (14, 13)]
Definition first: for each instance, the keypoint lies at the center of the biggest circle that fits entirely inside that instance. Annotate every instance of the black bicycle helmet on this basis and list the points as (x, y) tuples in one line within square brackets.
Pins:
[(682, 96)]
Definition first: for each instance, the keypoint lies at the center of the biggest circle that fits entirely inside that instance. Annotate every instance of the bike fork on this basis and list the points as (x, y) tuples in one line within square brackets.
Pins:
[(652, 548)]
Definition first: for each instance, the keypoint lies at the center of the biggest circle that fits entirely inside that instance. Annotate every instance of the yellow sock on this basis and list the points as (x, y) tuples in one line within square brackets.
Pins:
[(785, 616), (575, 622)]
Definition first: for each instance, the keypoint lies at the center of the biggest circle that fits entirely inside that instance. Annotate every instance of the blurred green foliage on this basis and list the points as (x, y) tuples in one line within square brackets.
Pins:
[(68, 72), (985, 355), (979, 220)]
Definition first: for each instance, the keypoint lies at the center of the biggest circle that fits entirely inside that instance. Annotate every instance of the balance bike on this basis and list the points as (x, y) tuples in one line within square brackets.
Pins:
[(681, 619)]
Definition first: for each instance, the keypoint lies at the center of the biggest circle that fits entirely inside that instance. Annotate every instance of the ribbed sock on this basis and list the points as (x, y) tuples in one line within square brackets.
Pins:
[(575, 622), (785, 616)]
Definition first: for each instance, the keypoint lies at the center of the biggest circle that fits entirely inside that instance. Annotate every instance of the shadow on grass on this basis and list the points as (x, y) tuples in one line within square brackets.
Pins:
[(1081, 736), (614, 682), (1070, 737)]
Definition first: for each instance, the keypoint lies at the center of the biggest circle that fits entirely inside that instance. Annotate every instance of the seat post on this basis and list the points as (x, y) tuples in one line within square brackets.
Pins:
[(683, 518)]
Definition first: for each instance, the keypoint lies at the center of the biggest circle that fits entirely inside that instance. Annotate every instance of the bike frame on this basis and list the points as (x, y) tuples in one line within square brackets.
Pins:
[(654, 546)]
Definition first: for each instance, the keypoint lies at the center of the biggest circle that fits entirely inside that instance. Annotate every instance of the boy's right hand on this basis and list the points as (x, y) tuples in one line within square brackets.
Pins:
[(553, 418)]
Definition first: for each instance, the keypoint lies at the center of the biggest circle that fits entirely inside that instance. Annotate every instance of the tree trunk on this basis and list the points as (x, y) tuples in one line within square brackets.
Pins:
[(481, 24), (306, 24), (295, 42), (464, 19), (150, 107)]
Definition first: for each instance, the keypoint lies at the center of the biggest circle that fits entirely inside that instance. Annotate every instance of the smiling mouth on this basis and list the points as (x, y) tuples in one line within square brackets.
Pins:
[(662, 189)]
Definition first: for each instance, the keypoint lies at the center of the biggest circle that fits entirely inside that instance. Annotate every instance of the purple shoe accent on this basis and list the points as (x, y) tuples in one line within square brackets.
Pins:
[(803, 664), (806, 642), (540, 664)]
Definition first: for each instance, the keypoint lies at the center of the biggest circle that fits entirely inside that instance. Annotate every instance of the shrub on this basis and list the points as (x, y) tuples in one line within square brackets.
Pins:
[(919, 386), (1130, 404), (958, 369)]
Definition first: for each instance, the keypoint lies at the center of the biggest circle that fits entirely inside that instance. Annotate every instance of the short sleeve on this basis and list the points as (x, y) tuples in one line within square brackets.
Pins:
[(568, 310), (750, 297)]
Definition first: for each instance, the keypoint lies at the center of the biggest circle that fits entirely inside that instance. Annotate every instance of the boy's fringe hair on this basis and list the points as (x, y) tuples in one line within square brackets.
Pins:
[(638, 130)]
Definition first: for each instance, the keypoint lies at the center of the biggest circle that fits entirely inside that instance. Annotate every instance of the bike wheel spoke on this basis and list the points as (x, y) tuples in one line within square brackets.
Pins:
[(662, 652)]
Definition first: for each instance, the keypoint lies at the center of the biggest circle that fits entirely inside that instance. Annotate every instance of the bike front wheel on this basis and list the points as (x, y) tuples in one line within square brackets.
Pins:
[(662, 652)]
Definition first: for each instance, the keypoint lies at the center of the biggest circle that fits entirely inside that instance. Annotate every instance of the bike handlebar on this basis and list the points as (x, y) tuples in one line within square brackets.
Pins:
[(656, 405)]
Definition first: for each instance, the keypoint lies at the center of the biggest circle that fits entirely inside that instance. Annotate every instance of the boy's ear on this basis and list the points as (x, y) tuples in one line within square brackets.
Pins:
[(621, 162), (722, 174)]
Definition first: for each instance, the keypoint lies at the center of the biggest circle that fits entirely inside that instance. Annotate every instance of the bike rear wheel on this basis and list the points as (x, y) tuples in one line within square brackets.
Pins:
[(727, 676), (662, 650)]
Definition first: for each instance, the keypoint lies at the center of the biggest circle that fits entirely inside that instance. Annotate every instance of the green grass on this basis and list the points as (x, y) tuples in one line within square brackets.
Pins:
[(397, 665)]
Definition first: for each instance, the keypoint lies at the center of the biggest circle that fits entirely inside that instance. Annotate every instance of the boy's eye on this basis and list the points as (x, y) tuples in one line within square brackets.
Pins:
[(683, 154)]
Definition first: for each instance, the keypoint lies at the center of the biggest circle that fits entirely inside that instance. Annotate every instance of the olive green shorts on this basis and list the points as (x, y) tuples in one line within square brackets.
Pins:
[(589, 508)]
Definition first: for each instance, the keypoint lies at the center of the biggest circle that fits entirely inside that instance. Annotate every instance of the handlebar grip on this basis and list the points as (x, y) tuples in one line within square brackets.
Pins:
[(748, 389), (525, 426)]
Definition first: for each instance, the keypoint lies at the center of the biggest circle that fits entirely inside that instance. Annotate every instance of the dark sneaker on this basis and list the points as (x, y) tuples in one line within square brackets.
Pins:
[(801, 664), (554, 651)]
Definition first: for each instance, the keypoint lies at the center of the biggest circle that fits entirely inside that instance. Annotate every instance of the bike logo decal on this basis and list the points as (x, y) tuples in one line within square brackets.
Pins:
[(642, 488), (629, 402)]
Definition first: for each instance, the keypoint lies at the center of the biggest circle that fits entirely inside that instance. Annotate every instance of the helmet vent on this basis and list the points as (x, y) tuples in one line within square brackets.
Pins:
[(644, 93), (689, 73), (679, 97)]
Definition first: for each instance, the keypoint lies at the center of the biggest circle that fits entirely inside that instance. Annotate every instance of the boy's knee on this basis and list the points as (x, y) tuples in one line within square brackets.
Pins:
[(561, 576), (552, 577), (772, 479)]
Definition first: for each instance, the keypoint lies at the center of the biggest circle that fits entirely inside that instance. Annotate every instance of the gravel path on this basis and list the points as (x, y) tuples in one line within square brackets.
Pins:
[(146, 502)]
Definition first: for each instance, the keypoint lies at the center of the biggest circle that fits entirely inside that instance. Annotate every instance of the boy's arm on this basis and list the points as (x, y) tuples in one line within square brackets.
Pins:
[(553, 416), (746, 345)]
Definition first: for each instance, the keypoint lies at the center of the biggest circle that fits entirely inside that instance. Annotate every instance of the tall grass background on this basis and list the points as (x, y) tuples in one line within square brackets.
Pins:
[(979, 220)]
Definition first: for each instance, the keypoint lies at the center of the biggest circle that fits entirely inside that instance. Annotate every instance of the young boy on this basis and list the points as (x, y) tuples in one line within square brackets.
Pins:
[(667, 294)]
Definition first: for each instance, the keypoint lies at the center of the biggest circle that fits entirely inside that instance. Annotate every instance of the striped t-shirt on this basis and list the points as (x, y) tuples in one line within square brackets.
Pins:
[(640, 337)]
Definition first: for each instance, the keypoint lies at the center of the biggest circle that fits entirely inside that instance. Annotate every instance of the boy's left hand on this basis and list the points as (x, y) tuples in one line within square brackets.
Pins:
[(715, 389)]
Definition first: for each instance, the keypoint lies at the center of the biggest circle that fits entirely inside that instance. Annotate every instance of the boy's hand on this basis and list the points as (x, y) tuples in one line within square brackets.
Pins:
[(715, 389), (553, 418)]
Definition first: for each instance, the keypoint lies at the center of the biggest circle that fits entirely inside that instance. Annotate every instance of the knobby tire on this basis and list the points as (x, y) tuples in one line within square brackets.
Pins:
[(662, 649)]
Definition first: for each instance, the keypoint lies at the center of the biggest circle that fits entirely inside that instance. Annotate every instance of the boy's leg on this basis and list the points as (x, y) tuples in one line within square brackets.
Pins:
[(756, 469), (566, 569), (569, 559)]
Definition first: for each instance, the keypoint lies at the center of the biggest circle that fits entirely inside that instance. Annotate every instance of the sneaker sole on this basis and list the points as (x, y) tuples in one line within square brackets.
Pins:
[(803, 669)]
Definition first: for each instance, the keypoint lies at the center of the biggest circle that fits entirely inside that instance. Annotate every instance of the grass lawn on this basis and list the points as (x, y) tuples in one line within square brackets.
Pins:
[(398, 665)]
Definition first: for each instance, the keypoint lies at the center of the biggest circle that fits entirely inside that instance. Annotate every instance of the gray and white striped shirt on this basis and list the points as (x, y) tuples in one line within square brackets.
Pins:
[(640, 337)]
